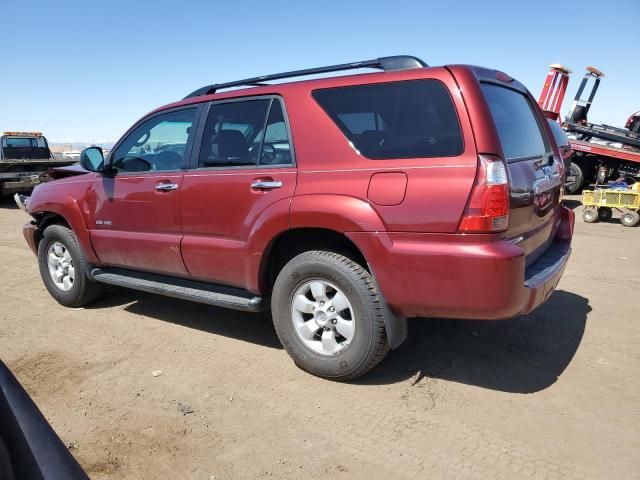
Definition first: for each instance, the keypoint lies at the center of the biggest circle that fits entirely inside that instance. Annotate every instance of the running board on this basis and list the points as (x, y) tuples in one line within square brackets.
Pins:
[(219, 296)]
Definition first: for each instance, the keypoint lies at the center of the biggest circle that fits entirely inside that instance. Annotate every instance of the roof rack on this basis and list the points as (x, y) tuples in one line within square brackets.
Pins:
[(397, 62)]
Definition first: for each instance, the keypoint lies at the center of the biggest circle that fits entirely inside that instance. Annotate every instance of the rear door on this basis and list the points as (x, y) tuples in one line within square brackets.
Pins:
[(245, 166), (534, 170)]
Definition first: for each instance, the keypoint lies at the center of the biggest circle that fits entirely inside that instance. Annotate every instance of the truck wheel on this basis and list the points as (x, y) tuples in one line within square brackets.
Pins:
[(590, 215), (575, 178), (630, 219), (63, 268), (329, 316), (605, 213)]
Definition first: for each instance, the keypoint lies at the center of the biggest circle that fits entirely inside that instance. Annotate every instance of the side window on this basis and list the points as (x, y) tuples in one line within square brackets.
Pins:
[(409, 119), (357, 123), (158, 144), (236, 135), (276, 148), (233, 134)]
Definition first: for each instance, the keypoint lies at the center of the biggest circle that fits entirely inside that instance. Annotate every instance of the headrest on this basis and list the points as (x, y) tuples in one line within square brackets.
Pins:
[(232, 144)]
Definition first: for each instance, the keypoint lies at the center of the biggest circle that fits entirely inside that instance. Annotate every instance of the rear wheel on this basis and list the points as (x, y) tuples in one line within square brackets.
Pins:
[(605, 213), (630, 219), (574, 180), (63, 268), (329, 315), (590, 215)]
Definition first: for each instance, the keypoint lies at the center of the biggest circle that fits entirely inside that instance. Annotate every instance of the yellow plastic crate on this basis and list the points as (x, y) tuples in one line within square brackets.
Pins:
[(611, 198)]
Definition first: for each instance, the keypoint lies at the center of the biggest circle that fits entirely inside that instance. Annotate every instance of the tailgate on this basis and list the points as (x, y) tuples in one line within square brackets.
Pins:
[(533, 166)]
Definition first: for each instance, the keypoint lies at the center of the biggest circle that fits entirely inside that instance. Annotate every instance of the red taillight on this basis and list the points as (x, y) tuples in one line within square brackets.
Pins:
[(488, 207)]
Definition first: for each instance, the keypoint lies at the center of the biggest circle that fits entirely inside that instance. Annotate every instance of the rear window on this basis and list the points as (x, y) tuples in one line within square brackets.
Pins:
[(19, 142), (409, 119), (516, 123)]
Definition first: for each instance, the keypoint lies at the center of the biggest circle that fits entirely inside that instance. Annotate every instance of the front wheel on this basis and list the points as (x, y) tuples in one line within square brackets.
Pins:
[(590, 215), (63, 268), (329, 316), (630, 219)]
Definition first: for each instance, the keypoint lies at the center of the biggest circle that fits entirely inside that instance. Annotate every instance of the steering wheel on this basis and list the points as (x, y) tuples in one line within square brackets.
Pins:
[(269, 154)]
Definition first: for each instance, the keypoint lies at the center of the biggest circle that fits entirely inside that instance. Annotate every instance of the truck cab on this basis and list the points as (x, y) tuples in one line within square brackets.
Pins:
[(24, 157)]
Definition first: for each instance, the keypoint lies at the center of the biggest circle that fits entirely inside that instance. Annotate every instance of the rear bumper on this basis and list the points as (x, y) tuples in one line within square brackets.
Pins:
[(463, 276), (542, 277)]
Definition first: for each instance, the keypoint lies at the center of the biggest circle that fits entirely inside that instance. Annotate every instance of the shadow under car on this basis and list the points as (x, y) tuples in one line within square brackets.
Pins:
[(522, 355)]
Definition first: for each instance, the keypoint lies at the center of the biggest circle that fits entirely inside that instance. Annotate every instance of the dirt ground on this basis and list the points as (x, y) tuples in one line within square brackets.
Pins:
[(554, 394)]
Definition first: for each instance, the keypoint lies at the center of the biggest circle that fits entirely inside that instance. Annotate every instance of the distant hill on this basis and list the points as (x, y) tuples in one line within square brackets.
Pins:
[(59, 147)]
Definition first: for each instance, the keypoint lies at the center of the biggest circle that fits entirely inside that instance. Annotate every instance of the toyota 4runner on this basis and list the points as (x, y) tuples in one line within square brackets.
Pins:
[(344, 204)]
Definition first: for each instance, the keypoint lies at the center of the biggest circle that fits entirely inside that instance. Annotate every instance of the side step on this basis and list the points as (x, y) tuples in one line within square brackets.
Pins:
[(217, 295)]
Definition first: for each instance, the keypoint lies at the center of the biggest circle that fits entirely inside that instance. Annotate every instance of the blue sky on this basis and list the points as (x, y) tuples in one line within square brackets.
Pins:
[(85, 71)]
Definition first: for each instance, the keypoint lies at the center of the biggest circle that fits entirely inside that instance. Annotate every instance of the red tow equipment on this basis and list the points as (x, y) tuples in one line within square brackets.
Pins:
[(555, 86), (600, 151)]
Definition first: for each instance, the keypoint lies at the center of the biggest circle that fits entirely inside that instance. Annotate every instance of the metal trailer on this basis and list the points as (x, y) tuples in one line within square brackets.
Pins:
[(600, 203)]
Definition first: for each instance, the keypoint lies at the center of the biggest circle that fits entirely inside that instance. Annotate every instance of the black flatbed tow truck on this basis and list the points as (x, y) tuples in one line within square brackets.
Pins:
[(25, 158)]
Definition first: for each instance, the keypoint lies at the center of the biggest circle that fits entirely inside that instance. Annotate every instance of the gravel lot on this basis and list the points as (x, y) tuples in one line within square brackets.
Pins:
[(550, 395)]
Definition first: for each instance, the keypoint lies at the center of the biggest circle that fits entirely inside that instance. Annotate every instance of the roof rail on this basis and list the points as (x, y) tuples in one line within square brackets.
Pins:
[(397, 62)]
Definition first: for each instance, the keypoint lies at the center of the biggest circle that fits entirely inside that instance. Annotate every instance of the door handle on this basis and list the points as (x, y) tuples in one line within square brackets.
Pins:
[(166, 187), (266, 184)]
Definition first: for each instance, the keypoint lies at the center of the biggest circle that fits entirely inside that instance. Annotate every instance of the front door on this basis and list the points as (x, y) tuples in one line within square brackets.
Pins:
[(135, 219), (245, 167)]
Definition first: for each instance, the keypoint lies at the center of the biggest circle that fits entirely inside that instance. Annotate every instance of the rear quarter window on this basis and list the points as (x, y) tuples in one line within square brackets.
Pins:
[(409, 119), (516, 123)]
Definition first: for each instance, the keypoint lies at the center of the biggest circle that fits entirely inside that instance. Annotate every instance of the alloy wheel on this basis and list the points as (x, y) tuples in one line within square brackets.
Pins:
[(323, 317), (60, 266)]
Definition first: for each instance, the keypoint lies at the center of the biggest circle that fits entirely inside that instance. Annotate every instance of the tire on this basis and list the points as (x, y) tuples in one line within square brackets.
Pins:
[(630, 219), (590, 215), (576, 184), (74, 288), (341, 358), (605, 214)]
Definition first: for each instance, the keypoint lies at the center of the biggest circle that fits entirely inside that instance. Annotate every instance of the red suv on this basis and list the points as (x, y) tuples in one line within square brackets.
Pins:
[(344, 204)]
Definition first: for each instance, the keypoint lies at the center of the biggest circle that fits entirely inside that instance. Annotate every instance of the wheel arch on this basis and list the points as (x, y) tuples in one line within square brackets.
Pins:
[(290, 243), (66, 213)]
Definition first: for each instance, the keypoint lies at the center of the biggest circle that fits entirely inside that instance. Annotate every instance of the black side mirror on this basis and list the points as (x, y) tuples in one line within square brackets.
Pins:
[(92, 159)]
